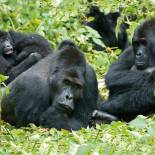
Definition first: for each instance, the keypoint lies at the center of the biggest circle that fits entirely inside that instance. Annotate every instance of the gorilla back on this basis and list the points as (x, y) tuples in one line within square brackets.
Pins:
[(59, 91)]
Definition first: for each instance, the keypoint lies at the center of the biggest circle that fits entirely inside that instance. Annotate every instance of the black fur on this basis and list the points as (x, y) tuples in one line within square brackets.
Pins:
[(37, 95), (20, 51), (105, 25), (132, 90)]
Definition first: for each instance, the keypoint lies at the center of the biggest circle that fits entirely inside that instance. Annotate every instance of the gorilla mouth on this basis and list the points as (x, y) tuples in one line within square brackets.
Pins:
[(65, 107), (140, 65), (8, 51)]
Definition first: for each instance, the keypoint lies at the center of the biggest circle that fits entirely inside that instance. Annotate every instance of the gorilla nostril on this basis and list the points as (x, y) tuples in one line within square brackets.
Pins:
[(9, 47), (139, 54), (69, 97)]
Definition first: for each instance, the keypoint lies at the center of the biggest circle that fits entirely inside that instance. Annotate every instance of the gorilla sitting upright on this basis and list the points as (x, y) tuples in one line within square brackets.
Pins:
[(59, 91), (131, 79), (19, 51)]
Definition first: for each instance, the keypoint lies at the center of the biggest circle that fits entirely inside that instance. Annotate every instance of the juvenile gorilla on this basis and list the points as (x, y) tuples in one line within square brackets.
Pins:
[(59, 91), (19, 51), (105, 25), (131, 78)]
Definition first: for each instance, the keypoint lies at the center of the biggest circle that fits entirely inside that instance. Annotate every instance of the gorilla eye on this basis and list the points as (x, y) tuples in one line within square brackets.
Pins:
[(143, 41), (67, 82), (73, 84)]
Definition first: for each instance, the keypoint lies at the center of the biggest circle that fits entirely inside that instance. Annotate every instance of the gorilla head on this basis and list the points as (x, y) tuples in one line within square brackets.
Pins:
[(143, 44), (6, 44), (67, 77)]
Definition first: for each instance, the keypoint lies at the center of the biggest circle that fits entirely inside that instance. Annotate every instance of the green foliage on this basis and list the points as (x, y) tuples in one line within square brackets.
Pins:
[(58, 21), (116, 138), (62, 19)]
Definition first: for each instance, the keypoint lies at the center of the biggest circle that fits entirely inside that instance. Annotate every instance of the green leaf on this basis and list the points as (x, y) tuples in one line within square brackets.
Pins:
[(151, 129), (98, 42), (3, 78), (139, 122), (83, 150)]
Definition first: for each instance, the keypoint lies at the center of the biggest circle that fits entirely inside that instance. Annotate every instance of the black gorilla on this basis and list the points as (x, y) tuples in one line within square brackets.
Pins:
[(19, 51), (59, 91), (123, 41), (105, 25), (131, 78)]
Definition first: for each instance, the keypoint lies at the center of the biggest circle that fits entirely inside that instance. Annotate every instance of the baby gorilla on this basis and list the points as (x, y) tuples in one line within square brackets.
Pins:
[(19, 51), (59, 91)]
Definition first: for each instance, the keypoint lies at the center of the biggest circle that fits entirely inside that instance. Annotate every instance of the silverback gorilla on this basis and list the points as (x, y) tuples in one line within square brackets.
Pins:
[(19, 51), (59, 91), (131, 79)]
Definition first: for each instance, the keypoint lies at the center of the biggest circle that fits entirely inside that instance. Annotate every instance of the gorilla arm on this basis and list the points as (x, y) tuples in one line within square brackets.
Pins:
[(120, 75), (59, 119), (142, 102), (4, 65), (23, 66)]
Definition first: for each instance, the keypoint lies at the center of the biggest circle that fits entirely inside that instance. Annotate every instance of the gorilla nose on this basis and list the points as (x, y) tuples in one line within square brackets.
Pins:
[(139, 53), (69, 96), (9, 47)]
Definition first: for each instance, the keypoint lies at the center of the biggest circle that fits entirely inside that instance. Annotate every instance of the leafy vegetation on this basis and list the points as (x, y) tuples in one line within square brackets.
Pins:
[(62, 19)]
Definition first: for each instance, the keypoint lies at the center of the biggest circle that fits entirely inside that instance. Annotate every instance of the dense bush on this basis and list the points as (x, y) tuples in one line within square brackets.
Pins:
[(62, 19)]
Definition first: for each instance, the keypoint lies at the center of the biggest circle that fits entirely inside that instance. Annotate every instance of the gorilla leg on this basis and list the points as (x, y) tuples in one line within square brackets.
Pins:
[(128, 105)]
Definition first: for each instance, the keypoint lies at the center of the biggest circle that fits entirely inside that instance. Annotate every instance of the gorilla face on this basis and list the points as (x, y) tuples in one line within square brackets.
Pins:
[(143, 44), (67, 90), (142, 53), (6, 44)]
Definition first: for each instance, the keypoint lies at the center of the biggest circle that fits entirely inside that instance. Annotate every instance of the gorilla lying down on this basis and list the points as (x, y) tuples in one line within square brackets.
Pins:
[(131, 79), (19, 51), (59, 91)]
